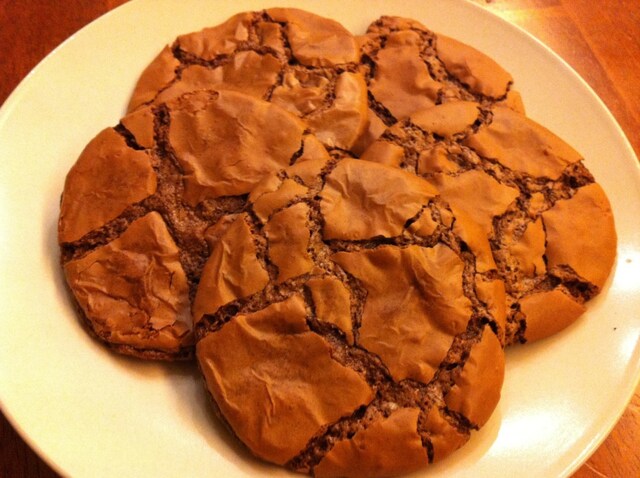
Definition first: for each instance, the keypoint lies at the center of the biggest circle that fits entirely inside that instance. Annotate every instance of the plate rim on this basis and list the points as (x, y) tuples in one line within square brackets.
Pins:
[(14, 98)]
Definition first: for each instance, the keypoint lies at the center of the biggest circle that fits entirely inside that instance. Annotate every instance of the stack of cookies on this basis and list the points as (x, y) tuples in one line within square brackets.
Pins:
[(343, 232)]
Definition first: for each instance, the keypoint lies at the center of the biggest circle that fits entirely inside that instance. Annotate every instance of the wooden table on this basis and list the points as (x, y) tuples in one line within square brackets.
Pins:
[(598, 39)]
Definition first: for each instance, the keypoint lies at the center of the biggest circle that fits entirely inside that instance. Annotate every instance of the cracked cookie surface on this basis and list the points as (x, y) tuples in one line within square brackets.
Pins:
[(409, 68), (343, 325), (305, 63), (138, 202), (550, 224)]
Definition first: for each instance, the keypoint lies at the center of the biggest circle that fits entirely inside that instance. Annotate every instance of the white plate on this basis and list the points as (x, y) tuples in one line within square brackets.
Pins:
[(90, 413)]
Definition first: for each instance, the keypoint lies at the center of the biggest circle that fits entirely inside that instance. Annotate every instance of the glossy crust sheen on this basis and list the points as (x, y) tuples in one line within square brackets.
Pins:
[(349, 317), (550, 225), (409, 68), (359, 338), (138, 203), (303, 62)]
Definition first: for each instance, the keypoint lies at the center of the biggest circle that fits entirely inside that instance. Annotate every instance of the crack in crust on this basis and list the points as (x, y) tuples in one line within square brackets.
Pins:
[(282, 53), (451, 88), (390, 394), (186, 224), (536, 194), (152, 136)]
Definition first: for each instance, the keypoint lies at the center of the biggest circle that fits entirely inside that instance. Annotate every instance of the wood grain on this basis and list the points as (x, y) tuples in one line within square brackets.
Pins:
[(601, 43), (599, 40)]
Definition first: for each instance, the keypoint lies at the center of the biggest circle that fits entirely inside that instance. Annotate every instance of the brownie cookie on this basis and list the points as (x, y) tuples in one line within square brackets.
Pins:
[(303, 62), (138, 201), (345, 324), (550, 224), (409, 68)]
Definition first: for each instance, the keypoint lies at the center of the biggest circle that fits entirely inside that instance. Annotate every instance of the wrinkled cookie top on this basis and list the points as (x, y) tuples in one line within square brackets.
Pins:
[(343, 327), (303, 62), (107, 178), (134, 289), (550, 225), (409, 68), (141, 199)]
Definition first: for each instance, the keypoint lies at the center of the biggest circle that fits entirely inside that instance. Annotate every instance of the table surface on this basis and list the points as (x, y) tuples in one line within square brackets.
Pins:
[(602, 44)]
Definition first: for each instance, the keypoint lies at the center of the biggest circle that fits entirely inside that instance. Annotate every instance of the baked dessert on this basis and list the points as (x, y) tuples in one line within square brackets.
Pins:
[(346, 324), (303, 62), (550, 224), (409, 68), (348, 316), (138, 201)]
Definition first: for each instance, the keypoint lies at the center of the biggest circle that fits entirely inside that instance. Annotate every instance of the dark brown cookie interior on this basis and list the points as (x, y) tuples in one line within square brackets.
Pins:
[(360, 320), (305, 63), (409, 68), (550, 225), (176, 168)]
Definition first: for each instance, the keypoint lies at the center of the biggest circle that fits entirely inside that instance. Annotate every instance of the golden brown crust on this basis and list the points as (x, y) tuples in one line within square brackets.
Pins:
[(586, 215), (288, 239), (345, 120), (218, 40), (133, 291), (398, 303), (372, 452), (155, 77), (424, 226), (514, 182), (548, 312), (332, 303), (226, 143), (433, 160), (248, 73), (528, 250), (447, 119), (445, 438), (384, 153), (523, 145), (106, 179), (305, 63), (232, 270), (477, 390), (402, 81), (189, 161), (253, 367), (374, 129), (301, 92), (314, 40), (415, 305), (515, 102), (266, 202), (492, 292), (409, 69), (473, 68), (477, 194), (140, 124), (475, 236), (368, 204)]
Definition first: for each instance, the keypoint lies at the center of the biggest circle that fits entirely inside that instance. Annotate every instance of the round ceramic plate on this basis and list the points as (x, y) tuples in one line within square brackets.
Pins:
[(91, 413)]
